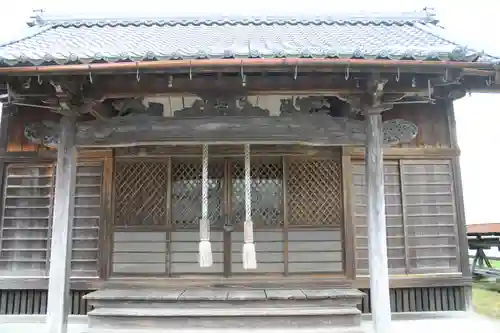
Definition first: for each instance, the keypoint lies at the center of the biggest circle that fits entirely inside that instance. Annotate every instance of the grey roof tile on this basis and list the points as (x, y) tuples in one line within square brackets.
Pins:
[(404, 36)]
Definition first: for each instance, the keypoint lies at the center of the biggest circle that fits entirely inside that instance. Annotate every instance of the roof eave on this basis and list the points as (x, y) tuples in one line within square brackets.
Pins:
[(242, 63)]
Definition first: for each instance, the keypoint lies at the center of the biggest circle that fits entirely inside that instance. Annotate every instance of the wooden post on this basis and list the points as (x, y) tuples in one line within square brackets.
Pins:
[(58, 302), (463, 242), (377, 241)]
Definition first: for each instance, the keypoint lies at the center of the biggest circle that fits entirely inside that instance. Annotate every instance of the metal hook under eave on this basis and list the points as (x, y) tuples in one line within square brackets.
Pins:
[(9, 98), (190, 70), (90, 78), (296, 72), (40, 81), (489, 81), (347, 73), (398, 75), (446, 75), (243, 76), (137, 75), (429, 90)]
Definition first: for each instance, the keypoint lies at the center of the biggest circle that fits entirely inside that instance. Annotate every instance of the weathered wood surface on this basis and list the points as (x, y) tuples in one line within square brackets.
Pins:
[(242, 293), (305, 129), (377, 237), (224, 307), (60, 259), (307, 120)]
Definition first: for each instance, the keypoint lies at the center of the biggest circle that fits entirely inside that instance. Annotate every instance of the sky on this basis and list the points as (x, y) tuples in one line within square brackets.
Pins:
[(470, 23)]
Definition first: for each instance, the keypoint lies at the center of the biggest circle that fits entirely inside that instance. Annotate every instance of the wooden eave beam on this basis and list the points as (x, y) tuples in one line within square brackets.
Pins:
[(217, 64), (118, 87)]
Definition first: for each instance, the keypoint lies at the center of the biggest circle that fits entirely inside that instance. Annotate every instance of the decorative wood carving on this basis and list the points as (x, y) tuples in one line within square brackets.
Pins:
[(307, 121), (398, 131), (129, 105), (43, 133), (221, 106), (309, 104), (310, 129)]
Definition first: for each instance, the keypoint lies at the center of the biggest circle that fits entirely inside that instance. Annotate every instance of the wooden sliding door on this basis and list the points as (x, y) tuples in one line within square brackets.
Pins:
[(296, 209)]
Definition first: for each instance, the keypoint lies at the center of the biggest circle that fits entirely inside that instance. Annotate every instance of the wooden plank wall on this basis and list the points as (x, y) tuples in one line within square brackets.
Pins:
[(420, 213), (315, 251), (139, 252), (184, 253), (16, 141), (153, 253), (432, 122), (269, 246)]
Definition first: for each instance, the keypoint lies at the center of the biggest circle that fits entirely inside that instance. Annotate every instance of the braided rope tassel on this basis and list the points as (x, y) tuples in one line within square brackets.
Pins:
[(205, 249), (249, 256)]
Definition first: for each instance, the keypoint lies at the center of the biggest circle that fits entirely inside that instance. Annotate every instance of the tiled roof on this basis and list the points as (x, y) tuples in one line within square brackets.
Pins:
[(403, 36)]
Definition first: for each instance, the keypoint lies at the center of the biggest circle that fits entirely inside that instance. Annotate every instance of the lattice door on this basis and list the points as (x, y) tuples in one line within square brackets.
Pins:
[(267, 192), (186, 193), (140, 193), (314, 193)]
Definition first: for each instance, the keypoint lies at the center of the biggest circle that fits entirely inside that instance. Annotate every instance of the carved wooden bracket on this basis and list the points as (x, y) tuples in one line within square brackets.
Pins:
[(221, 106)]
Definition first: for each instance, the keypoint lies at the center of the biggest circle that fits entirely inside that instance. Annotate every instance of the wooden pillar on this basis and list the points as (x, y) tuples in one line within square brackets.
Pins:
[(377, 240), (463, 241), (60, 255)]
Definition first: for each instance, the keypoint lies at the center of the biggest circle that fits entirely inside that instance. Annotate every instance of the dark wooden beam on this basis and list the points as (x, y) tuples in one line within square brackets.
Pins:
[(315, 129), (127, 86)]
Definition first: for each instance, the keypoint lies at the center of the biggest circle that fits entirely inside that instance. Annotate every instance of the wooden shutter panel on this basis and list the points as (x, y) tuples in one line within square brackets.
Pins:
[(87, 215), (25, 232), (430, 215), (26, 219), (394, 218)]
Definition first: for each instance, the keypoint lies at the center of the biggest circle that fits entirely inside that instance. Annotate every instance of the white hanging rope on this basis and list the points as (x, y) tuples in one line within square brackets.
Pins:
[(249, 256), (204, 183), (205, 249)]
